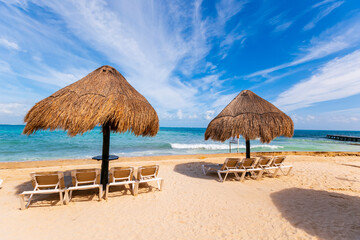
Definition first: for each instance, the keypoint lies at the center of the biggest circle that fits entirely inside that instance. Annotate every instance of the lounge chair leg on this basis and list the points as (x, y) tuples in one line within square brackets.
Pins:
[(67, 197), (61, 198), (100, 193), (226, 176), (22, 202), (237, 176), (133, 189), (259, 174), (242, 176), (107, 191), (203, 169), (275, 173), (70, 195), (136, 189), (27, 205), (221, 179)]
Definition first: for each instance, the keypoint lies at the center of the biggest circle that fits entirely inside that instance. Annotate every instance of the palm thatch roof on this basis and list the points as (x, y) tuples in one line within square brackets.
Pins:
[(252, 117), (103, 96)]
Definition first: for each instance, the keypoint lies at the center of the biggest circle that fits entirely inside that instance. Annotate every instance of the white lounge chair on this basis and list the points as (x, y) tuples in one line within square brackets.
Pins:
[(83, 179), (264, 163), (230, 165), (278, 164), (1, 181), (121, 176), (44, 183), (248, 165), (148, 174)]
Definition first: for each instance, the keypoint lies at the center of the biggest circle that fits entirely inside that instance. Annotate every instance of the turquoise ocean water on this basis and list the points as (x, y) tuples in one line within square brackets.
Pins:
[(46, 145)]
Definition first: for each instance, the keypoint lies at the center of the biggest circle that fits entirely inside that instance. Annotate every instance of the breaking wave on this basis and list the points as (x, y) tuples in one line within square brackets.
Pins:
[(218, 146)]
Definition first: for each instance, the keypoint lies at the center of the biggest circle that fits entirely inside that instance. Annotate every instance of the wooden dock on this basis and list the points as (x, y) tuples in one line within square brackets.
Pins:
[(344, 138)]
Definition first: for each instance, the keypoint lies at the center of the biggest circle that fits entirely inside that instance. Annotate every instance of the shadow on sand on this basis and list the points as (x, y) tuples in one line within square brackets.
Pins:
[(326, 215), (351, 165), (194, 170)]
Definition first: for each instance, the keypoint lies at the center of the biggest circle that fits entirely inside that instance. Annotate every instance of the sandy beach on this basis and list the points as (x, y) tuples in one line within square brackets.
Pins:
[(320, 199)]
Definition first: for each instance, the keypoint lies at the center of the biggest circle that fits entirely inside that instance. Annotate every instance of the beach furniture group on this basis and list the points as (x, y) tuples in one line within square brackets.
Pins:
[(84, 179), (254, 167)]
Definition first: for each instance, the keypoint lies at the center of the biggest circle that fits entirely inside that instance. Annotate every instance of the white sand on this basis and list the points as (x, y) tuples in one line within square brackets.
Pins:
[(319, 200)]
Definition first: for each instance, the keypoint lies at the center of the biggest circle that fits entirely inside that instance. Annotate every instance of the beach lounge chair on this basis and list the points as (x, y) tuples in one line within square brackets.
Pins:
[(121, 176), (264, 163), (1, 181), (148, 174), (248, 165), (44, 183), (230, 165), (278, 164), (83, 179)]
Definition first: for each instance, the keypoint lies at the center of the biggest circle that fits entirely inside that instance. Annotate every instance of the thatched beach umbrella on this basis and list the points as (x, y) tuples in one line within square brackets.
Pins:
[(103, 97), (252, 117)]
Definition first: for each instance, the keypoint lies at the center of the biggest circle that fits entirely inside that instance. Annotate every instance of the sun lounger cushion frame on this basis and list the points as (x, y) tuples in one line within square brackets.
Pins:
[(121, 176), (148, 174), (44, 183), (83, 179)]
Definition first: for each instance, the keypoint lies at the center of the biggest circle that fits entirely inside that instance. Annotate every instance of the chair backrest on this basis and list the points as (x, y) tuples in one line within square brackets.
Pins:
[(47, 180), (85, 176), (121, 174), (278, 160), (263, 162), (247, 163), (230, 163), (147, 172)]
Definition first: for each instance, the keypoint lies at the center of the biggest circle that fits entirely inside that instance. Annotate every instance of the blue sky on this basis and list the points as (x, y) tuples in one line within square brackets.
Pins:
[(189, 58)]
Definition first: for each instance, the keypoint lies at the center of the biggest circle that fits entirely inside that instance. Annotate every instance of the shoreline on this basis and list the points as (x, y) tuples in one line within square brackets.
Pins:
[(160, 158)]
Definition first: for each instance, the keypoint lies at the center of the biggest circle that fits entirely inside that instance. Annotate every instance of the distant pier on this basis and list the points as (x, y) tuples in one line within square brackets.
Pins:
[(344, 138)]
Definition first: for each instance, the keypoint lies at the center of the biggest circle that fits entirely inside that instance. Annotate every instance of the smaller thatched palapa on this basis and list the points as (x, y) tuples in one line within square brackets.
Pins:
[(102, 97), (252, 117)]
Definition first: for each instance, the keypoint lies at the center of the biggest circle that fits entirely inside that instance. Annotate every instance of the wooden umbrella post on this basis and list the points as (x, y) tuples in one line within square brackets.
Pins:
[(247, 148), (105, 155)]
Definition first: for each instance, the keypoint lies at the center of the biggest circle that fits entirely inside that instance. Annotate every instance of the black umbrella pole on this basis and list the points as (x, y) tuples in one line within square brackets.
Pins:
[(105, 155), (247, 148)]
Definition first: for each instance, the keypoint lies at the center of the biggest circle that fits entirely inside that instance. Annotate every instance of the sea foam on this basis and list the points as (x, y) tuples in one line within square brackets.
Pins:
[(218, 146)]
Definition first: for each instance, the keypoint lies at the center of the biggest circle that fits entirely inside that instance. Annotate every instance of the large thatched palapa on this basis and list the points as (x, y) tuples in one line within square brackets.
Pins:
[(252, 117), (103, 97)]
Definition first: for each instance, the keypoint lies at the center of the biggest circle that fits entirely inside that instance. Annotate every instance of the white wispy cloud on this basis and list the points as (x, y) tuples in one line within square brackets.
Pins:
[(283, 26), (339, 78), (13, 109), (148, 49), (280, 23), (223, 100), (180, 114), (342, 36), (322, 3), (5, 67), (209, 114), (323, 13), (9, 44)]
